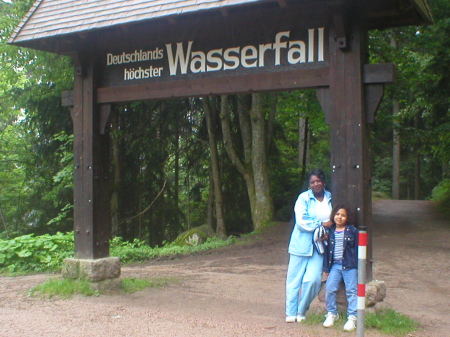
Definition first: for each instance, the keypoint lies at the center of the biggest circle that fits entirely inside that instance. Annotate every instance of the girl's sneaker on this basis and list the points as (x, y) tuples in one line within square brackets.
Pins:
[(350, 325), (330, 318)]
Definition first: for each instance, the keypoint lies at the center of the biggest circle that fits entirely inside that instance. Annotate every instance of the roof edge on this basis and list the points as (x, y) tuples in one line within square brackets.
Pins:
[(24, 21), (424, 10)]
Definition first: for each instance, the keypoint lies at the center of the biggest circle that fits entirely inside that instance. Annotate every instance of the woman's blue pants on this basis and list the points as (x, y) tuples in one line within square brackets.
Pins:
[(302, 282)]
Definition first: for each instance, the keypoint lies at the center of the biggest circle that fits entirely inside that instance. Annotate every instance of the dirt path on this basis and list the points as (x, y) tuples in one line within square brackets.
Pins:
[(239, 291)]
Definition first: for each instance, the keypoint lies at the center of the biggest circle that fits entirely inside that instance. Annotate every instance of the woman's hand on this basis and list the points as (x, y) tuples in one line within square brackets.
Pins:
[(327, 224)]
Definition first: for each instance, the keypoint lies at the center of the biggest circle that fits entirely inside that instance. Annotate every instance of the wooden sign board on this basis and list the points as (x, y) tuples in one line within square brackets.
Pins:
[(211, 54)]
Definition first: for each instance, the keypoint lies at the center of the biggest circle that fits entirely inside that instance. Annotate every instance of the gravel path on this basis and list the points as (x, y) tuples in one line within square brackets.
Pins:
[(239, 291)]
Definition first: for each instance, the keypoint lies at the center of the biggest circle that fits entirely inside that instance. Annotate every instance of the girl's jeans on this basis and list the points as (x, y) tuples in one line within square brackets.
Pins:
[(350, 277)]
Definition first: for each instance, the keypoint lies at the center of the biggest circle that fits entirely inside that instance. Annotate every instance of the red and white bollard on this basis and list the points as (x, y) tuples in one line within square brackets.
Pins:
[(362, 257)]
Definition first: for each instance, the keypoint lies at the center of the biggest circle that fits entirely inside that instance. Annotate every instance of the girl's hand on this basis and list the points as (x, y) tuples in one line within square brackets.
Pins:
[(327, 224)]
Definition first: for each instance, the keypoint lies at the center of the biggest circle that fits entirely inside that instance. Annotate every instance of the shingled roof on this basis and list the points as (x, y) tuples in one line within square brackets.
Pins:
[(48, 18), (56, 18)]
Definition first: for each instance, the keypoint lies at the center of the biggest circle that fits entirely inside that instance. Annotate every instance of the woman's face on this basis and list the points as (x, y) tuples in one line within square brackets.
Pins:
[(316, 184)]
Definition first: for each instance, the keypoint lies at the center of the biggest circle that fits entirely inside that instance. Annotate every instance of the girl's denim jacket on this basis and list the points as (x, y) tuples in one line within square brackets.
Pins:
[(350, 257)]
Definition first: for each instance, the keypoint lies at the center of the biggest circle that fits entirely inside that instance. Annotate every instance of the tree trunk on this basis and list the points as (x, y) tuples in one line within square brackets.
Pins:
[(308, 149), (263, 199), (177, 166), (395, 144), (417, 177), (253, 167), (272, 114), (4, 223), (210, 214), (243, 107), (395, 155), (416, 164), (302, 145), (218, 199)]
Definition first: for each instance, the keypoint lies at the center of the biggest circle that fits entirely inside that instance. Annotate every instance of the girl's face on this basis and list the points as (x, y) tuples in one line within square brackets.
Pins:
[(340, 218), (316, 184)]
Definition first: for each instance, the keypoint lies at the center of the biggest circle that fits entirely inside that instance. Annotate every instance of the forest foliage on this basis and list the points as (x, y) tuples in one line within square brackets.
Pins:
[(161, 150)]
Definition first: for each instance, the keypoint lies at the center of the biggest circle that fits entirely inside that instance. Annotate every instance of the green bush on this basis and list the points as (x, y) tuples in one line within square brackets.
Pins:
[(441, 195), (29, 253), (35, 253), (138, 251)]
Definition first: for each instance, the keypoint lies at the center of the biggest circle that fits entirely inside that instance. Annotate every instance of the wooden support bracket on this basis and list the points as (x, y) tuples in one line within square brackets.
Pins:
[(373, 95), (105, 113), (375, 76), (105, 110)]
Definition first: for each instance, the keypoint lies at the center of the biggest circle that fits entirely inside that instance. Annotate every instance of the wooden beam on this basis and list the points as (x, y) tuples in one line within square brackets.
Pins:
[(350, 161), (92, 221), (379, 73), (285, 80), (373, 74)]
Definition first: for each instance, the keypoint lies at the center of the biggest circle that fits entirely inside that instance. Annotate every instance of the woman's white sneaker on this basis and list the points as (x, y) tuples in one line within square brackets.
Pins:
[(350, 325), (300, 318), (291, 319), (330, 318)]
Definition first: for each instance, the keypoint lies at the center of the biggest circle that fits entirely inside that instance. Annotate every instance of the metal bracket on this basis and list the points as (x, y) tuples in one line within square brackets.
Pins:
[(341, 32)]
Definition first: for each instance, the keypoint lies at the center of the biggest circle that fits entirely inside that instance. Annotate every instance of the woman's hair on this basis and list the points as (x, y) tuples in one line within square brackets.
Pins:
[(349, 214), (318, 173)]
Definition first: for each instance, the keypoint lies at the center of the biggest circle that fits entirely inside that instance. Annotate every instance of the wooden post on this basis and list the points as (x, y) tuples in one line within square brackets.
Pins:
[(92, 220), (351, 183)]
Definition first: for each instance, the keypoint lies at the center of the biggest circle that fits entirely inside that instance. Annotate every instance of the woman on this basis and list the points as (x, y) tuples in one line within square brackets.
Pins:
[(312, 209)]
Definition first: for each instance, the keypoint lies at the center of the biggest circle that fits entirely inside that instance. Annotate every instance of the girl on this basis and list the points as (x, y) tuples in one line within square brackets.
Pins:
[(341, 262)]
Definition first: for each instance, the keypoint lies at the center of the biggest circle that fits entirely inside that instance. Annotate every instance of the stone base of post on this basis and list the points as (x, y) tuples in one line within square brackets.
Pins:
[(375, 294), (103, 274)]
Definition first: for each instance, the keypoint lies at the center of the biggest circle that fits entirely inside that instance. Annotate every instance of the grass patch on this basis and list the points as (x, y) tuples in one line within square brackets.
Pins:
[(387, 321), (63, 288), (66, 288), (391, 322), (314, 318), (132, 285)]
